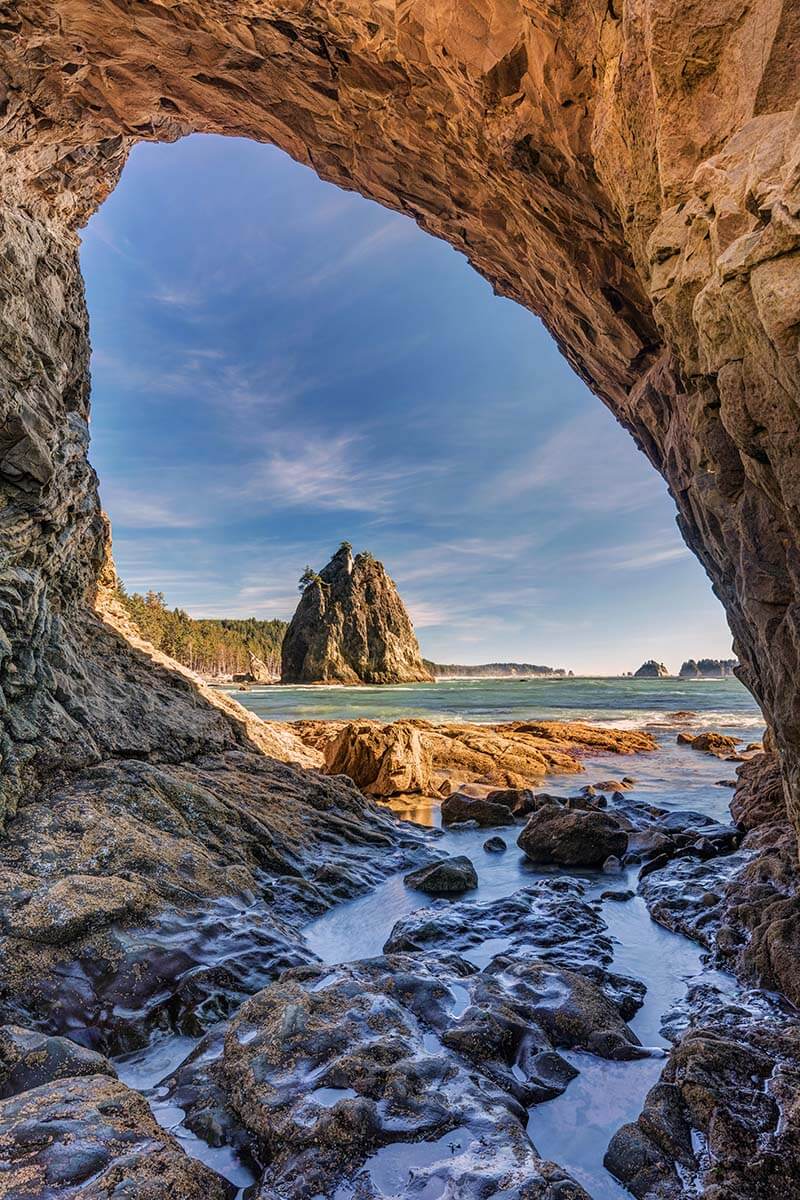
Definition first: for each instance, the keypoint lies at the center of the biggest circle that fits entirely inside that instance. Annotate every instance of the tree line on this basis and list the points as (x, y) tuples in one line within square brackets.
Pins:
[(210, 647)]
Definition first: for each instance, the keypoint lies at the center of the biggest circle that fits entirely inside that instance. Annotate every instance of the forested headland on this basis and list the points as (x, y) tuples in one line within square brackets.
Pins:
[(212, 647)]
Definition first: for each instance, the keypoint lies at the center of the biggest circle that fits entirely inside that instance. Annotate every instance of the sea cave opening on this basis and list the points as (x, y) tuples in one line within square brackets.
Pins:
[(278, 364)]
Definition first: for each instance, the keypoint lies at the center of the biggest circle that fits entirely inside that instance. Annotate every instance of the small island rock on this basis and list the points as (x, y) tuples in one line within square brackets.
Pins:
[(651, 670), (351, 627)]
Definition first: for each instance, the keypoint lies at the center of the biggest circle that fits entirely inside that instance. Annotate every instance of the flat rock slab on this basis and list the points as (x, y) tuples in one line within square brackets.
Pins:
[(93, 1137)]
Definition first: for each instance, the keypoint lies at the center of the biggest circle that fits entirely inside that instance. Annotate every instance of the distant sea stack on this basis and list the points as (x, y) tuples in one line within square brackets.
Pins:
[(651, 670), (708, 668), (351, 627)]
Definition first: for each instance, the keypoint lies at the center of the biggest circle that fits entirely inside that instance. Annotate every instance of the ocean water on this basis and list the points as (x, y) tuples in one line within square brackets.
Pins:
[(718, 703)]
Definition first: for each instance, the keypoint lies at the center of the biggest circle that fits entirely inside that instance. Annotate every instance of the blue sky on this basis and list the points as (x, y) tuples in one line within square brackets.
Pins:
[(279, 365)]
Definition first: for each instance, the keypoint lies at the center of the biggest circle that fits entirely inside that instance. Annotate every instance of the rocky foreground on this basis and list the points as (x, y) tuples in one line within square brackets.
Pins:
[(419, 757), (147, 903)]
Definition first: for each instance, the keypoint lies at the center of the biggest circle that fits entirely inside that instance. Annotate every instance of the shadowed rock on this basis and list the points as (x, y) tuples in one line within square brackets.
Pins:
[(449, 875), (571, 837), (459, 808), (94, 1137)]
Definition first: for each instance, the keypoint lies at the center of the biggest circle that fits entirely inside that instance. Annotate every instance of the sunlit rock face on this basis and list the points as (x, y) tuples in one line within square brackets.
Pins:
[(351, 627), (630, 172)]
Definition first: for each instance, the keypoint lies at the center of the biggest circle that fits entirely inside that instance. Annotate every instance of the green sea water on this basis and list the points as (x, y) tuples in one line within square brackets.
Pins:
[(718, 703)]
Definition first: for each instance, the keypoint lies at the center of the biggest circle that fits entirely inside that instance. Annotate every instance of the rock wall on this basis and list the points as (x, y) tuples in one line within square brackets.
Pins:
[(631, 172), (351, 627)]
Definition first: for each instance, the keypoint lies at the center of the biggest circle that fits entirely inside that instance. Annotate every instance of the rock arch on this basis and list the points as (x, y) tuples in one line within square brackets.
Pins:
[(630, 170)]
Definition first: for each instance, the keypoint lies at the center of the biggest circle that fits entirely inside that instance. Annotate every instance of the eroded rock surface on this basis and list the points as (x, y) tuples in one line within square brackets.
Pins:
[(93, 1137), (723, 1122), (334, 1072), (351, 627), (128, 888), (419, 756), (647, 211)]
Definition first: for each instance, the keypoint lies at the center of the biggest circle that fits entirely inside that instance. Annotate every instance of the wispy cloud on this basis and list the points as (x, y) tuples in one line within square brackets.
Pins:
[(136, 510), (643, 555), (386, 237), (299, 470), (587, 462)]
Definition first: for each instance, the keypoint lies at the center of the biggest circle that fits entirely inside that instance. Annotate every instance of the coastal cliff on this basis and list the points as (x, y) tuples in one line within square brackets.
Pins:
[(496, 670), (351, 627)]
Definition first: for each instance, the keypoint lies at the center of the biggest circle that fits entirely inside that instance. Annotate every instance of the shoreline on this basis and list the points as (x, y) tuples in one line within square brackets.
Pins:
[(213, 681)]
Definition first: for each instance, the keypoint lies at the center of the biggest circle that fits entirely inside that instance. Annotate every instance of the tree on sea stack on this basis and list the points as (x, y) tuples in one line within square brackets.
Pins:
[(351, 626)]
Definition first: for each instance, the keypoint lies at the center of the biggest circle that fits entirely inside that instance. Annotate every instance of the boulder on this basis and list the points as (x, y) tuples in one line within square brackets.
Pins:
[(712, 743), (519, 800), (383, 760), (448, 876), (495, 845), (572, 838), (458, 807)]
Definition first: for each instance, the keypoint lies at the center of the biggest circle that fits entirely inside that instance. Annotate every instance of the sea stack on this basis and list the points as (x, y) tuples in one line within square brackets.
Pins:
[(351, 627), (708, 668), (652, 670)]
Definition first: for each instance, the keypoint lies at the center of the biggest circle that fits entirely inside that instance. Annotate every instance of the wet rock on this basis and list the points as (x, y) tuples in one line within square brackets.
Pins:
[(29, 1059), (549, 921), (610, 894), (332, 1072), (180, 974), (572, 838), (519, 800), (612, 865), (94, 1137), (687, 895), (719, 744), (74, 906), (571, 1009), (383, 760), (112, 922), (446, 876), (458, 807), (495, 845), (723, 1121)]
